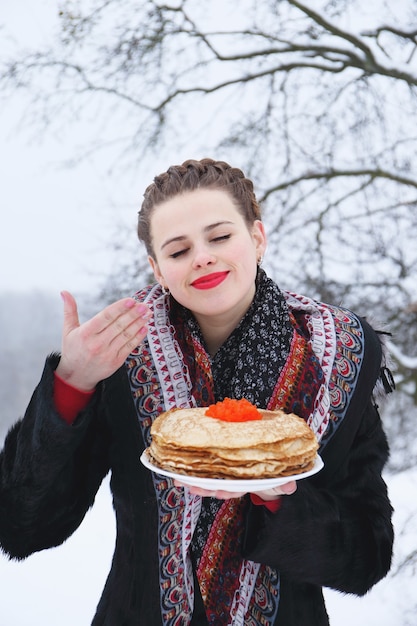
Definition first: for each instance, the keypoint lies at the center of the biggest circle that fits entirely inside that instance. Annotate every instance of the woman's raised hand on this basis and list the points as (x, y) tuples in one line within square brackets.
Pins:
[(95, 349)]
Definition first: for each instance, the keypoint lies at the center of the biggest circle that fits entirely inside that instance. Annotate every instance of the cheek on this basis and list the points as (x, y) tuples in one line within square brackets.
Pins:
[(246, 253), (172, 274)]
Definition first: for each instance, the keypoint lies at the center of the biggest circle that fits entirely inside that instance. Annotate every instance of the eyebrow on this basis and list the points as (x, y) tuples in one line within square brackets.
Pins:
[(206, 229)]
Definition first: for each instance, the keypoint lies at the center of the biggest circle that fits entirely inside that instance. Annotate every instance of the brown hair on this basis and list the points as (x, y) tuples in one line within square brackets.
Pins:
[(192, 175)]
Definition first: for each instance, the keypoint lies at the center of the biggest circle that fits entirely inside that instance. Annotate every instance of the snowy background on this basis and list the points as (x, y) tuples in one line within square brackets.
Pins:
[(61, 587), (43, 249)]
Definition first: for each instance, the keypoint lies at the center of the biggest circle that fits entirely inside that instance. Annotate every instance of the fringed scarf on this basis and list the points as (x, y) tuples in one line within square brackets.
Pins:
[(288, 352)]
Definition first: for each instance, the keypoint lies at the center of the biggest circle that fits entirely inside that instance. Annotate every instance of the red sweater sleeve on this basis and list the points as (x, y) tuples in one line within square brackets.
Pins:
[(69, 400), (271, 505)]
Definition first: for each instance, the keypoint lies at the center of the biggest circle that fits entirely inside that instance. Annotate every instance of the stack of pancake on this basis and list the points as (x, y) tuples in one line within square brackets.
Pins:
[(187, 441)]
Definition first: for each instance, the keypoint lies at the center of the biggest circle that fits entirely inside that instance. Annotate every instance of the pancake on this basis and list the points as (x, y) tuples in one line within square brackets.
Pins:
[(187, 441)]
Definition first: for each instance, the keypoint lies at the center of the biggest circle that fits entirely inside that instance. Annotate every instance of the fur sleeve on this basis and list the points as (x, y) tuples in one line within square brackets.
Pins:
[(49, 472), (336, 529)]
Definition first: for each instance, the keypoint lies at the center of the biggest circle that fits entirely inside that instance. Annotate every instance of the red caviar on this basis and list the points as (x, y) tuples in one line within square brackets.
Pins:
[(230, 410)]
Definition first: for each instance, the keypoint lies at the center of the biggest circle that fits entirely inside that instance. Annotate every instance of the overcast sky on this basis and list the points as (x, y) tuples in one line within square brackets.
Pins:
[(57, 222)]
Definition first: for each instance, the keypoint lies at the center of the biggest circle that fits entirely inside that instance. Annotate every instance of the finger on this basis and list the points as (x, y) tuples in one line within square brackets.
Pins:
[(131, 344), (71, 320), (120, 315), (283, 490), (127, 338), (289, 488), (206, 493), (227, 495)]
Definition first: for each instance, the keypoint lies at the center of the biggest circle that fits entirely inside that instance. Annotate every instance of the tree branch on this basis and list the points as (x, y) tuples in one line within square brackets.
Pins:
[(334, 173), (369, 64)]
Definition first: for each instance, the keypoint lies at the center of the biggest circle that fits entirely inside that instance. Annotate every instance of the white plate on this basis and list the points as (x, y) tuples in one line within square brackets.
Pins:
[(235, 484)]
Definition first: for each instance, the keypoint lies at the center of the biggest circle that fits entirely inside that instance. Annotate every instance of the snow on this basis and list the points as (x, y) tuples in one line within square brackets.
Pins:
[(62, 586), (404, 360), (392, 602)]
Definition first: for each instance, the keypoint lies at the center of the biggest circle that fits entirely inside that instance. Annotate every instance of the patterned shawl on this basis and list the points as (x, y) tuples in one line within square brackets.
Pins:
[(288, 352)]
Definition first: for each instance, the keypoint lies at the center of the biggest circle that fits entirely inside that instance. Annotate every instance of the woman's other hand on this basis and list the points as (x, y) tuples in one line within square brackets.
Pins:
[(267, 495), (283, 490), (94, 350)]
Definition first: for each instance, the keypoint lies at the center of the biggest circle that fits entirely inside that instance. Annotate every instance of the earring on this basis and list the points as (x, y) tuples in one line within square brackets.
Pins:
[(259, 261), (165, 290)]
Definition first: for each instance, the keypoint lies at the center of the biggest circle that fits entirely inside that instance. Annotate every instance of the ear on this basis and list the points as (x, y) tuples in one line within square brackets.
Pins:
[(156, 271), (259, 237)]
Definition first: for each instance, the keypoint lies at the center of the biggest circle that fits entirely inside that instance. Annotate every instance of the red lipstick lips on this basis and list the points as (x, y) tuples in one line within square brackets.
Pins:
[(210, 280)]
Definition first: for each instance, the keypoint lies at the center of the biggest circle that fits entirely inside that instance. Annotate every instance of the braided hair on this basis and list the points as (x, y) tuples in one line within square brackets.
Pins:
[(191, 175)]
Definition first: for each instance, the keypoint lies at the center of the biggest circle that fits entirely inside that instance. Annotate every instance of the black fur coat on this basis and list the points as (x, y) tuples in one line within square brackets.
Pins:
[(334, 531)]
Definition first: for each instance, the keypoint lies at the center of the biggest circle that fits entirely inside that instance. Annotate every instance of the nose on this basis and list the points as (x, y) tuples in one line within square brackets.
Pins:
[(203, 257)]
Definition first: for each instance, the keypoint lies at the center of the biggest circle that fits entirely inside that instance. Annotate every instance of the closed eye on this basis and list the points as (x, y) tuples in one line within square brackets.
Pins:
[(221, 238), (175, 255)]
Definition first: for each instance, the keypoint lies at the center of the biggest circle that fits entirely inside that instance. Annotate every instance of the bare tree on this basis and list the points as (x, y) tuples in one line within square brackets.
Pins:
[(315, 99)]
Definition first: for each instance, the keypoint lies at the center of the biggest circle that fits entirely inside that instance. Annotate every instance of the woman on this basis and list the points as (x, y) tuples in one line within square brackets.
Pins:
[(213, 326)]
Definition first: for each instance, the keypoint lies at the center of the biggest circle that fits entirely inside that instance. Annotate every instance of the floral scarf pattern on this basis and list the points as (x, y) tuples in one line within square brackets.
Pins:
[(288, 352)]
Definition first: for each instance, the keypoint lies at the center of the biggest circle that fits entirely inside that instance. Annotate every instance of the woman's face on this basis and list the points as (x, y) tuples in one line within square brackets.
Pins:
[(205, 253)]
